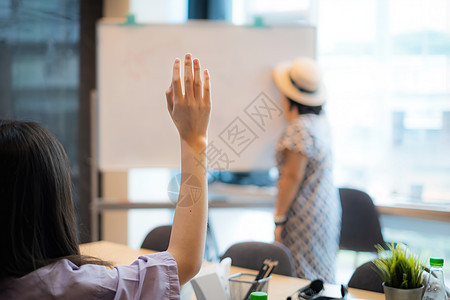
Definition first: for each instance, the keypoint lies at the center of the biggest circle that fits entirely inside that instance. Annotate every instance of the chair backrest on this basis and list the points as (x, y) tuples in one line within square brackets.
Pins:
[(251, 255), (158, 239), (366, 278), (360, 229)]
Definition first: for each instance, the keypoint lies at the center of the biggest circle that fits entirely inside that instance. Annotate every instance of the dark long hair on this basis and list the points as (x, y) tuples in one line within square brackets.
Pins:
[(37, 223), (304, 109)]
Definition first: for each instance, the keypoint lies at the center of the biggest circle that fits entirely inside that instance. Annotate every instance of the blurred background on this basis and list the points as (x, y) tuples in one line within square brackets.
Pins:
[(386, 66)]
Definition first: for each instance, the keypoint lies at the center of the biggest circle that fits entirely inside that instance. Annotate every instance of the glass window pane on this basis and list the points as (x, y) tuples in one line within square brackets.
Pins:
[(39, 66), (389, 71)]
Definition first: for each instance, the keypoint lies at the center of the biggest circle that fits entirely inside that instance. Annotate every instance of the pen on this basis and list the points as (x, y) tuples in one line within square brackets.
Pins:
[(261, 274), (271, 268), (263, 269)]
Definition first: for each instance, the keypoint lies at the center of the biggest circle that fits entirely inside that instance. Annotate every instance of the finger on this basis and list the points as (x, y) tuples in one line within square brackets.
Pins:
[(188, 77), (176, 80), (169, 98), (197, 80), (206, 88)]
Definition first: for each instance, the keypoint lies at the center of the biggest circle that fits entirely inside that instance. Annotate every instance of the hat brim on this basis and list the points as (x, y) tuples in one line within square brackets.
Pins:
[(281, 77)]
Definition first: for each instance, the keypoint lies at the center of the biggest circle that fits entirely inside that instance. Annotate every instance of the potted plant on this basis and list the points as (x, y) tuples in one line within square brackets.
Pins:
[(401, 272)]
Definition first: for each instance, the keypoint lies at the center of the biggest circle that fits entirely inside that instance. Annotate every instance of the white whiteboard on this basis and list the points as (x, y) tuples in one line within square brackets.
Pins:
[(134, 70)]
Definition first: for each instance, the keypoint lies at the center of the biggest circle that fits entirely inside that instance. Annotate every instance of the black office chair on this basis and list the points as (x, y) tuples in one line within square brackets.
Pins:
[(251, 255), (360, 229), (158, 239), (366, 278)]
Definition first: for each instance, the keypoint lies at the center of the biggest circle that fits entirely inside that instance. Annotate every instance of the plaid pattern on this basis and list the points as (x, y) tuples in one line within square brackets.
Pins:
[(314, 218)]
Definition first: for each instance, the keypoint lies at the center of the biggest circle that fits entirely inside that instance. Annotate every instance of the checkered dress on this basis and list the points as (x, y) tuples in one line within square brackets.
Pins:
[(314, 218)]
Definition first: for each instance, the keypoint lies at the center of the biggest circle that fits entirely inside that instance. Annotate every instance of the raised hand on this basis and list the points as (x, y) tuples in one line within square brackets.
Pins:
[(190, 111)]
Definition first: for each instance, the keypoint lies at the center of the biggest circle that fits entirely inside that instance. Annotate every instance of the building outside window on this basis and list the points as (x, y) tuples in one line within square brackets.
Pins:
[(388, 72)]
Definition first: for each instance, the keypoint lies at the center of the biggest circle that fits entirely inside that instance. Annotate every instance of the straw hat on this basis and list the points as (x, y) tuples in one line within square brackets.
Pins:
[(300, 81)]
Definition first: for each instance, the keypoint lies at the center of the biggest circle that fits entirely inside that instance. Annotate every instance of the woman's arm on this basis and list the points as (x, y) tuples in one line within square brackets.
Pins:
[(288, 184), (190, 113)]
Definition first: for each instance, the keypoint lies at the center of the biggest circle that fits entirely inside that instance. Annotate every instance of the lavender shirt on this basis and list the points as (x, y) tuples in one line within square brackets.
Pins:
[(153, 276)]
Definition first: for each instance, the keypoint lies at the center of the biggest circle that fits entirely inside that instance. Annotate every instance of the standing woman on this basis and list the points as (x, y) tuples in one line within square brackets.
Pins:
[(307, 210)]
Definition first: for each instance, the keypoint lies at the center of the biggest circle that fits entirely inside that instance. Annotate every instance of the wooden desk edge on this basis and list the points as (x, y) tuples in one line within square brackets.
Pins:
[(393, 210), (413, 212)]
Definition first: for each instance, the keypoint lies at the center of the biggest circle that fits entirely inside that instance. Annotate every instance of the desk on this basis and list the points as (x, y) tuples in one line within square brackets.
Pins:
[(279, 287)]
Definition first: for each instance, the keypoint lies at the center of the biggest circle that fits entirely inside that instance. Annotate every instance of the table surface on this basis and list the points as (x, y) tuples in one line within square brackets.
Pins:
[(279, 288)]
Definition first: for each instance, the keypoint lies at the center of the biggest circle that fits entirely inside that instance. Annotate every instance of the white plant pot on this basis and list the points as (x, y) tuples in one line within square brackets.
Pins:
[(402, 294)]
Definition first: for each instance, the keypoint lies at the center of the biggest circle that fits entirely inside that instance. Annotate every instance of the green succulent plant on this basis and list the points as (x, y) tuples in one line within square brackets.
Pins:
[(398, 267)]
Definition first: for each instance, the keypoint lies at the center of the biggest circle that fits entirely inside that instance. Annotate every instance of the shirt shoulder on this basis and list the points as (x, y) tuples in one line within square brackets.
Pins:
[(296, 137), (61, 279)]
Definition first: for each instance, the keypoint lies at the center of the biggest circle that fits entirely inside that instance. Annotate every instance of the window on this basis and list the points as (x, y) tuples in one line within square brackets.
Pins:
[(39, 67), (39, 71), (244, 11), (387, 70), (154, 11)]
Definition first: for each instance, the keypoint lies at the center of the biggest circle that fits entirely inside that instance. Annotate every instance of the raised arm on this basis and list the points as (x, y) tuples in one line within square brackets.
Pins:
[(190, 113)]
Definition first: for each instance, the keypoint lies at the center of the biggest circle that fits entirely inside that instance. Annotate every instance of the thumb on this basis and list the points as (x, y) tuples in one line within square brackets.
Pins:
[(169, 98)]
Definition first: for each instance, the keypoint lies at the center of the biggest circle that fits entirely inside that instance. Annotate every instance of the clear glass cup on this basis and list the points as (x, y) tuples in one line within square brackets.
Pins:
[(242, 284)]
